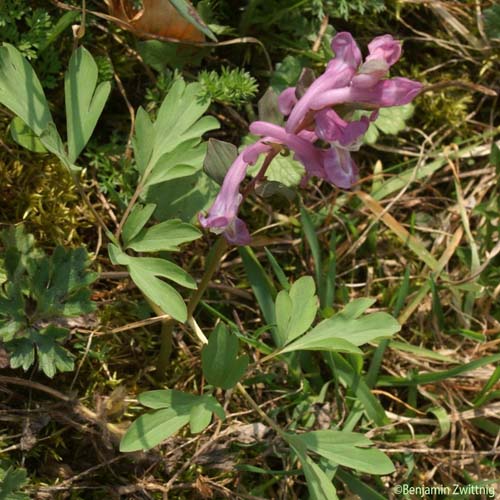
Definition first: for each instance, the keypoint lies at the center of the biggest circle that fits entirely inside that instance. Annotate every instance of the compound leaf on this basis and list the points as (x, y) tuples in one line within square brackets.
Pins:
[(165, 236)]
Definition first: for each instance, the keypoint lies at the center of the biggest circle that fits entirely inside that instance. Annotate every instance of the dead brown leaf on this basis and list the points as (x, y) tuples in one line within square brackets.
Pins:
[(157, 17)]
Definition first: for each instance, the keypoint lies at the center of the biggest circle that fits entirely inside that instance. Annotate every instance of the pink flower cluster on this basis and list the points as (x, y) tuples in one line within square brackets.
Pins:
[(322, 115)]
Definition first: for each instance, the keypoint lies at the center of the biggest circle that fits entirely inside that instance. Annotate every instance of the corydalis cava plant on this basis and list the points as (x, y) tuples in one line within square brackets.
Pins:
[(323, 115)]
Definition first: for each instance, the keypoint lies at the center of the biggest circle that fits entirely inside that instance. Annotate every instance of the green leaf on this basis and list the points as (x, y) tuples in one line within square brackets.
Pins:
[(348, 449), (495, 150), (283, 169), (357, 307), (168, 398), (319, 485), (199, 418), (174, 410), (163, 268), (354, 332), (21, 91), (269, 109), (219, 361), (16, 237), (278, 271), (137, 219), (144, 139), (268, 189), (151, 429), (262, 286), (312, 240), (188, 12), (220, 156), (11, 480), (22, 353), (324, 344), (287, 73), (25, 137), (159, 292), (390, 121), (284, 309), (117, 255), (165, 236), (180, 119), (40, 289), (84, 99), (354, 381), (358, 487), (199, 408), (171, 148), (443, 419), (60, 285), (296, 309), (183, 200), (165, 56), (51, 355), (51, 139), (182, 161), (64, 22), (492, 21), (213, 405), (12, 312), (421, 351)]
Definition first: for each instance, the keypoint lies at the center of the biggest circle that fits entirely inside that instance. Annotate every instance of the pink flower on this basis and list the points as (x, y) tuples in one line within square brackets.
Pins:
[(222, 216), (324, 113)]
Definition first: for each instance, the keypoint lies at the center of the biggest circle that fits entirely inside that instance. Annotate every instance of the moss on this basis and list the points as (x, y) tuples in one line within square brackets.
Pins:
[(41, 193)]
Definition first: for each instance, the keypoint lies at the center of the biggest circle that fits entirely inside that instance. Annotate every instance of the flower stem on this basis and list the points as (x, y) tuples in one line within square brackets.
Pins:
[(262, 172), (213, 262)]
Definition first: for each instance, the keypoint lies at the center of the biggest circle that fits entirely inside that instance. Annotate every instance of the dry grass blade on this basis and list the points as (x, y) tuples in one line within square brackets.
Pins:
[(411, 241), (424, 290)]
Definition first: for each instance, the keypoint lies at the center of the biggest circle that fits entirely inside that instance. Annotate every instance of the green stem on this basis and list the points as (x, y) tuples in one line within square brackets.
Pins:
[(130, 205), (165, 349), (212, 265), (260, 411)]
